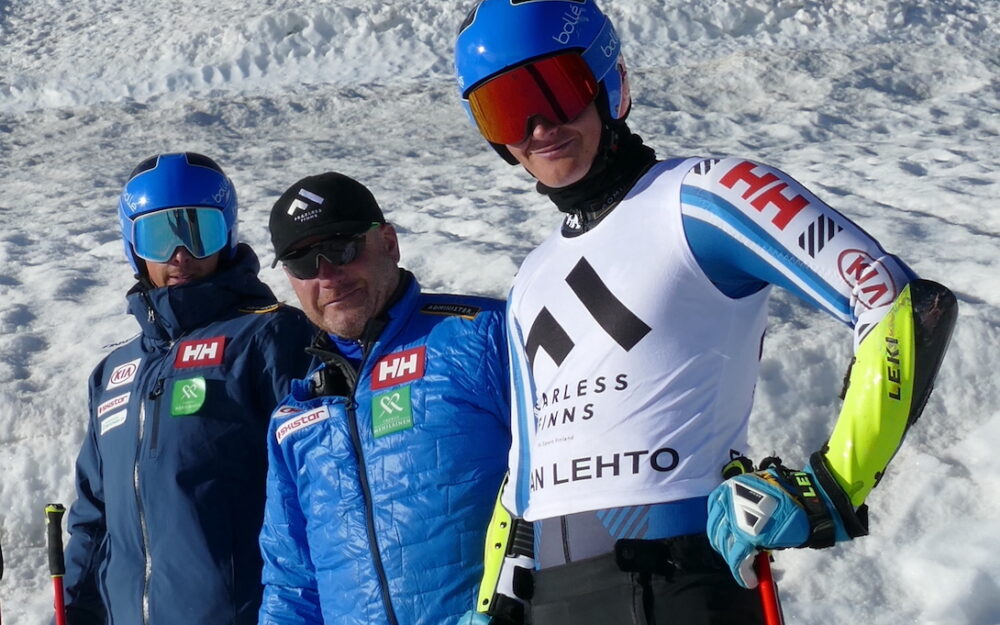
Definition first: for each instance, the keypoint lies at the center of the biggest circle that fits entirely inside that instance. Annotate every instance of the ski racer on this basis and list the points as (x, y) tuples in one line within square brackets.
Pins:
[(384, 462), (171, 475), (636, 331)]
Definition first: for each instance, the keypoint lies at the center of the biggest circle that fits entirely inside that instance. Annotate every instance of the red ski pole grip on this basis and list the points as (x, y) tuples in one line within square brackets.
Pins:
[(53, 521)]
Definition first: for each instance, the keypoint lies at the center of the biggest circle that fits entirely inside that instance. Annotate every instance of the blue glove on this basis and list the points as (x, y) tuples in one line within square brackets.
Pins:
[(474, 618), (776, 508)]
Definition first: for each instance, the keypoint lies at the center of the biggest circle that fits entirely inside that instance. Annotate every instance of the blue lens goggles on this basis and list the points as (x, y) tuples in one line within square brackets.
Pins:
[(202, 231)]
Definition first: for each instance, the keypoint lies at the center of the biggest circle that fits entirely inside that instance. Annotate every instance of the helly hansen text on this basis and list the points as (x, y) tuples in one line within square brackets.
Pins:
[(200, 353), (398, 368)]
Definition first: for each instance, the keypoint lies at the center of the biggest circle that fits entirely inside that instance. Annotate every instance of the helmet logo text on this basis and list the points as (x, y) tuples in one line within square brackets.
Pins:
[(221, 197), (570, 19)]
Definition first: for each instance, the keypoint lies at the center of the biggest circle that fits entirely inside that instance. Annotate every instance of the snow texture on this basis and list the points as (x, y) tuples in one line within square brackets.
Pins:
[(887, 109)]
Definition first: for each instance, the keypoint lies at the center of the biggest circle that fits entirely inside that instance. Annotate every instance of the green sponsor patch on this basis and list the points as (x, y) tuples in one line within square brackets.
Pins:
[(392, 411), (188, 396)]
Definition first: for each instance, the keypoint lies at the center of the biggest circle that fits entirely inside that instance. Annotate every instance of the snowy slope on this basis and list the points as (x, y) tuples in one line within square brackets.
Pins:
[(887, 109)]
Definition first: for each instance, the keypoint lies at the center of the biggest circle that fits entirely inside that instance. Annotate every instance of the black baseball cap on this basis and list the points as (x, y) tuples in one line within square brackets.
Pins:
[(329, 205)]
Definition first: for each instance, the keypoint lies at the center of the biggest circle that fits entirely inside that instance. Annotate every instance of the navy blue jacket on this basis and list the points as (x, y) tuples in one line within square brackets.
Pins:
[(170, 478), (380, 492)]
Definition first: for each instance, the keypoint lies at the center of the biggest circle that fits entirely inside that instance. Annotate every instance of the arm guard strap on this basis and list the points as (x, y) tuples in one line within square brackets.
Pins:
[(888, 384), (507, 561)]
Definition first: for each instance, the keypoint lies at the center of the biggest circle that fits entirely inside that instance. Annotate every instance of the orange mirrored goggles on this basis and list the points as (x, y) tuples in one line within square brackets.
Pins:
[(558, 88)]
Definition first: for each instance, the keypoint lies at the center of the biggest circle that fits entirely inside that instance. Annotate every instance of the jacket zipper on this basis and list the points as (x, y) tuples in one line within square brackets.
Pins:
[(366, 490), (143, 526), (155, 426), (147, 559)]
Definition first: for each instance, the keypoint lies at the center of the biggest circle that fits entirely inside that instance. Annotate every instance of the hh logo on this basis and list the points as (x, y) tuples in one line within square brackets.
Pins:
[(766, 194), (123, 374), (200, 353), (398, 368), (870, 280)]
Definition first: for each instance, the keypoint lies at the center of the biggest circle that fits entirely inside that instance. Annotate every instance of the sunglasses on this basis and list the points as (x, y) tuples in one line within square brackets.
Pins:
[(303, 263), (558, 88), (202, 231)]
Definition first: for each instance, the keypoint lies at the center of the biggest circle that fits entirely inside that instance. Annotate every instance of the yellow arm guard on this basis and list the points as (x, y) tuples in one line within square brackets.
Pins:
[(507, 558), (888, 385)]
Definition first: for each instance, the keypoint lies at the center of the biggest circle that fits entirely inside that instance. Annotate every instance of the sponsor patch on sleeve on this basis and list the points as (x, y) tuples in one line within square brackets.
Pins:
[(200, 353), (117, 401), (452, 310), (123, 374), (399, 368), (771, 196), (869, 279), (301, 422), (111, 422)]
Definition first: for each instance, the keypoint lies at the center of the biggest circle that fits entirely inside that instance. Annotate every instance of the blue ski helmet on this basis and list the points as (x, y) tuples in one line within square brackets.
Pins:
[(500, 35), (171, 181)]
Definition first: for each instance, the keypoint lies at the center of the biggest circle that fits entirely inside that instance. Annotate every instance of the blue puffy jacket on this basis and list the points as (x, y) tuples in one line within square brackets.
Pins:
[(170, 478), (378, 501)]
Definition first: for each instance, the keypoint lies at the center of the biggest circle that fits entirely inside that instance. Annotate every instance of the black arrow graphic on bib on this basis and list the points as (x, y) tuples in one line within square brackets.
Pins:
[(546, 333), (618, 321), (611, 314)]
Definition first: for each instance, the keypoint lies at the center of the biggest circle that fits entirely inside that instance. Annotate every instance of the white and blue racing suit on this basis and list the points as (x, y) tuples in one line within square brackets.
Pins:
[(636, 343)]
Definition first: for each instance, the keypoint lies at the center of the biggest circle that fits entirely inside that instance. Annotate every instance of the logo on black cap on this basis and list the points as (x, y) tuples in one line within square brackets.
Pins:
[(300, 204), (325, 205)]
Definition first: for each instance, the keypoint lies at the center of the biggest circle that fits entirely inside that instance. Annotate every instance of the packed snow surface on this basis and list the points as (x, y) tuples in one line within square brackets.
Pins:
[(887, 109)]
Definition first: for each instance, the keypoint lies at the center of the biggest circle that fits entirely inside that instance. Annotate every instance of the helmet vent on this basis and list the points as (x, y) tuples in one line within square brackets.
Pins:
[(470, 16), (146, 165), (201, 160)]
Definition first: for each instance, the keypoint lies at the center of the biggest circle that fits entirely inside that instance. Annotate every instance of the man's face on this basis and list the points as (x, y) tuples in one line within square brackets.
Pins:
[(181, 268), (342, 298), (560, 154)]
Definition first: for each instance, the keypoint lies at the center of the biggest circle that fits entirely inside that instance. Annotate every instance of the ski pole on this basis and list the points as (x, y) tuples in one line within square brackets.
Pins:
[(768, 590), (1, 578), (57, 564)]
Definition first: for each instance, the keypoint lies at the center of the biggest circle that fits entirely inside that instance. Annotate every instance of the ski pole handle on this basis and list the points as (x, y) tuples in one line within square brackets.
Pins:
[(1, 577), (53, 521), (765, 579), (57, 562)]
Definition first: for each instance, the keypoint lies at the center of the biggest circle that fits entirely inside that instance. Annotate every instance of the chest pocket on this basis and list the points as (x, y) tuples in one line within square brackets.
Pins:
[(203, 412)]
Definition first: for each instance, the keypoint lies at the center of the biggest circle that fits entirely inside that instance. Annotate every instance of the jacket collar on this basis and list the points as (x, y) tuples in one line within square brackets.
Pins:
[(167, 313)]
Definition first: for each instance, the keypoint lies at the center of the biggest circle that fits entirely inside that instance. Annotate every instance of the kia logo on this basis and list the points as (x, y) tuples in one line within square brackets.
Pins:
[(869, 279), (125, 372)]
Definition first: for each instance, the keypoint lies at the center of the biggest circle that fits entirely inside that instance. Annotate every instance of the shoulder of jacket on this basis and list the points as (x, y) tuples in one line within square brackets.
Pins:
[(122, 351), (261, 310), (277, 313), (124, 355)]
